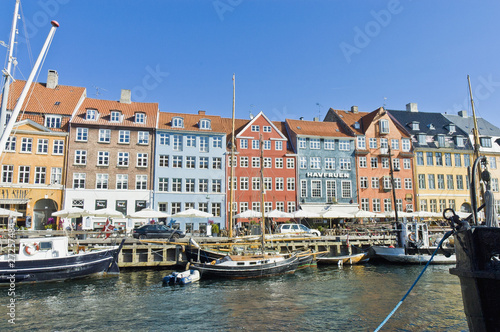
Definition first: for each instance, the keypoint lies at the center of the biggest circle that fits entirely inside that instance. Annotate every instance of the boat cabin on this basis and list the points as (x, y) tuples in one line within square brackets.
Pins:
[(41, 248), (414, 235)]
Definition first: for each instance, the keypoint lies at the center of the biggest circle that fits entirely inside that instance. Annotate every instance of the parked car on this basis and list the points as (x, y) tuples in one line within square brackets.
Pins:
[(157, 231), (297, 229)]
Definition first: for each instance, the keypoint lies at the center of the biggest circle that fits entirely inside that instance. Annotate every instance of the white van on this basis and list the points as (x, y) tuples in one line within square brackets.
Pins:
[(297, 229)]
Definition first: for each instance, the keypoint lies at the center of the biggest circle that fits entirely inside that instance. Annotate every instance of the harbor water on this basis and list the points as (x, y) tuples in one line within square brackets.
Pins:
[(352, 298)]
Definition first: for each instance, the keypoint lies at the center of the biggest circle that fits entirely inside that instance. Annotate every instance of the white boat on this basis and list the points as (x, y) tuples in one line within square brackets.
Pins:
[(182, 278), (415, 247)]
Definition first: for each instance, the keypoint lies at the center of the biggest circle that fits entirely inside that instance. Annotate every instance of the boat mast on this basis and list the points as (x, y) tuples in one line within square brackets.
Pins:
[(17, 108), (7, 72), (262, 191), (231, 184)]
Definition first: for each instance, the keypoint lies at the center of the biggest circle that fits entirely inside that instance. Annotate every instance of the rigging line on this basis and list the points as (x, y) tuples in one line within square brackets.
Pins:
[(446, 236), (30, 53)]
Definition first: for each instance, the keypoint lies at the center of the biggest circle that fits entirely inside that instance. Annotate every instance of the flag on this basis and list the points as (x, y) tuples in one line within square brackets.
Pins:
[(108, 228)]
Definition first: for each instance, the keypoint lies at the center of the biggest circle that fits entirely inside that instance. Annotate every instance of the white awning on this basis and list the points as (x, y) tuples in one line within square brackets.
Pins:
[(14, 201)]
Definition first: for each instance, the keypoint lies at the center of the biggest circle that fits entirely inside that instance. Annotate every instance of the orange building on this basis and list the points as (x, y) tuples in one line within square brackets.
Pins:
[(380, 140)]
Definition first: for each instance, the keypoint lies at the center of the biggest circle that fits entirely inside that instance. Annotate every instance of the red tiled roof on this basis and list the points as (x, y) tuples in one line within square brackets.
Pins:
[(316, 128), (191, 122), (41, 120), (104, 108)]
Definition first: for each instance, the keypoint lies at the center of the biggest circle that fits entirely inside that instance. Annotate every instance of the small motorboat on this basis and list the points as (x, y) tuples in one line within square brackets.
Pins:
[(182, 278)]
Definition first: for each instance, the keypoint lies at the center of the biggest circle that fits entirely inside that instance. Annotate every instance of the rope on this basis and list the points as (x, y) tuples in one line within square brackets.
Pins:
[(447, 235)]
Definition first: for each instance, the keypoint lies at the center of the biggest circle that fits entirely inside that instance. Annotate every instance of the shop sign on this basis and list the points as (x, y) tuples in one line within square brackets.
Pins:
[(327, 175)]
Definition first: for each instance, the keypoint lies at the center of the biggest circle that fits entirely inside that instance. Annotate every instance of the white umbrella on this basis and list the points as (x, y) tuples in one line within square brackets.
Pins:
[(305, 214), (148, 214), (107, 213), (401, 214), (336, 214), (278, 214), (9, 213), (366, 214), (73, 212), (426, 214), (193, 213), (249, 214)]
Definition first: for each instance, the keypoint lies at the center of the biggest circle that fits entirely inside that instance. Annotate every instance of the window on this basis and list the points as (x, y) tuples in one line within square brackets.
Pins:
[(123, 160), (190, 162), (243, 183), (421, 139), (430, 159), (203, 144), (361, 142), (143, 138), (190, 141), (280, 206), (203, 185), (216, 163), (104, 136), (101, 181), (303, 162), (255, 144), (278, 163), (449, 182), (494, 184), (460, 182), (397, 183), (122, 181), (394, 144), (79, 180), (385, 162), (56, 175), (243, 161), (420, 158), (234, 161), (363, 182), (203, 163), (384, 143), (256, 206), (280, 184), (10, 145), (376, 204), (58, 147), (124, 137), (177, 161), (316, 188), (302, 143), (189, 185), (415, 125), (7, 173), (408, 183), (303, 188), (441, 141), (492, 162), (164, 139), (140, 118), (163, 184), (331, 190), (406, 144), (255, 183), (268, 183), (433, 205), (344, 145), (423, 205), (216, 208), (91, 114), (80, 157), (362, 162), (255, 128), (458, 160), (290, 207), (115, 116), (267, 145), (439, 159), (176, 207), (40, 175), (365, 204), (42, 146), (375, 183), (460, 141), (387, 204), (103, 158), (24, 174), (447, 159), (345, 164), (53, 121), (466, 160), (406, 163), (314, 143), (485, 142), (205, 124), (290, 184), (26, 145), (178, 122), (431, 180), (374, 162), (255, 162), (384, 126), (142, 160), (387, 182), (329, 144), (243, 144), (141, 182), (373, 143), (329, 163), (395, 164), (451, 204), (266, 129), (278, 145), (243, 206), (421, 181), (216, 186), (315, 162), (177, 146), (217, 142)]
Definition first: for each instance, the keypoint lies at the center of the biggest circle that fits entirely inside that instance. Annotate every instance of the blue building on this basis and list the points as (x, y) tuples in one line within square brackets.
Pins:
[(190, 169), (326, 168)]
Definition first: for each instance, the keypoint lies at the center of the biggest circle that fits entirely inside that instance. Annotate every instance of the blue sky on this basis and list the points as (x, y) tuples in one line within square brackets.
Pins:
[(288, 55)]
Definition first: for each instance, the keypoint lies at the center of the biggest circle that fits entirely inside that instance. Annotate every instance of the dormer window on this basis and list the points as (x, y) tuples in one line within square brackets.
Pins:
[(140, 118), (459, 141), (415, 125), (115, 116), (177, 122), (384, 126), (91, 114), (440, 141), (205, 124), (485, 142), (421, 139), (357, 125), (451, 128), (53, 121)]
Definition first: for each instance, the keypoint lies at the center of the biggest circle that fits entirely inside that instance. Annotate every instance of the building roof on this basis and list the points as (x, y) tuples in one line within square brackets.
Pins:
[(128, 111), (191, 122), (316, 128), (485, 128)]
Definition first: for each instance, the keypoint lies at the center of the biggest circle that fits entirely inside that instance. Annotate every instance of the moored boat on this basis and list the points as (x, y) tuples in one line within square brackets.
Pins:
[(343, 259), (182, 278), (48, 259)]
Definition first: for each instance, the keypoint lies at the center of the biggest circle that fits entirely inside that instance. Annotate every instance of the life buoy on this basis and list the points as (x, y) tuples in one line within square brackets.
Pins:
[(31, 248), (411, 237)]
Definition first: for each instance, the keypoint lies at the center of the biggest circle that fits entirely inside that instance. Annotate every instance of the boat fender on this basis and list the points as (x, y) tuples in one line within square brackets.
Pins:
[(212, 262), (411, 237), (183, 248), (31, 248)]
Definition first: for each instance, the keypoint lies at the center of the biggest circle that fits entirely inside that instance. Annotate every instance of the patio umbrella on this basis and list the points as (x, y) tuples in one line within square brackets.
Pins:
[(330, 214), (148, 214), (193, 213), (9, 213), (73, 212), (305, 214), (426, 214), (278, 214), (401, 214), (107, 213), (249, 214), (366, 214)]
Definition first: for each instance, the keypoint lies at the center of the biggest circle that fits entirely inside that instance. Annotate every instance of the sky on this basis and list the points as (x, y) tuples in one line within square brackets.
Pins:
[(290, 58)]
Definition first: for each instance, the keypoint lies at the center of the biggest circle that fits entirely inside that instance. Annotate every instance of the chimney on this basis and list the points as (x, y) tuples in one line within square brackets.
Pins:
[(411, 107), (52, 79), (316, 119), (463, 114), (126, 96), (301, 118), (354, 109), (201, 112)]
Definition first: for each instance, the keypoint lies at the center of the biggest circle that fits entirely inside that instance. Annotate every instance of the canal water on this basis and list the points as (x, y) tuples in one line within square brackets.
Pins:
[(352, 298)]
